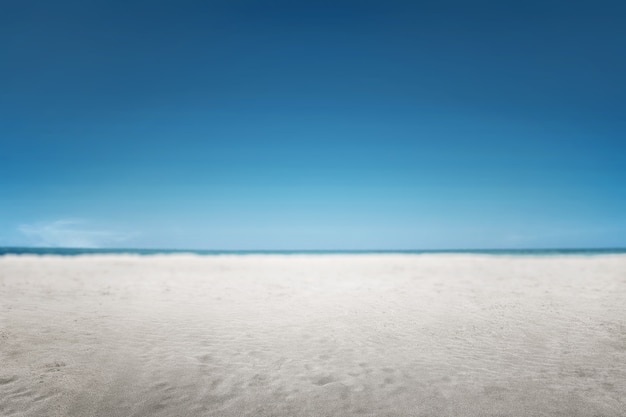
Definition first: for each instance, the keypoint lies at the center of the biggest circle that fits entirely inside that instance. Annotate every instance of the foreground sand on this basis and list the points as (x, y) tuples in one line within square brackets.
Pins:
[(388, 335)]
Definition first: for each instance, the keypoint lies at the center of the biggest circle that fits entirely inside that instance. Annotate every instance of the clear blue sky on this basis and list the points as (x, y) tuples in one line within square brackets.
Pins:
[(260, 124)]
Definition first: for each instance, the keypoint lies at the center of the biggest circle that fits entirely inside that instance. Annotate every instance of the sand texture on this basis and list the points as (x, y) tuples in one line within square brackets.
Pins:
[(333, 335)]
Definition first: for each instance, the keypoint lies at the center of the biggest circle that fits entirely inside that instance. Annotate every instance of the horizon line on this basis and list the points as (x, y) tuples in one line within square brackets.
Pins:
[(537, 249)]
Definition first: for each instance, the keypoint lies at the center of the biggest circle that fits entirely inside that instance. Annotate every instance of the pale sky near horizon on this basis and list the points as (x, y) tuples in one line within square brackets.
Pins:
[(249, 124)]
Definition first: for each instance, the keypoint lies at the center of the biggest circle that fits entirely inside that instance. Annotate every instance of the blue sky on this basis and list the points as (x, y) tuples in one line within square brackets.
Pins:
[(248, 124)]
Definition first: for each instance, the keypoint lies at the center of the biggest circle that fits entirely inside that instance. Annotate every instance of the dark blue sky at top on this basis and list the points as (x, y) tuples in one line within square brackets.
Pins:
[(313, 124)]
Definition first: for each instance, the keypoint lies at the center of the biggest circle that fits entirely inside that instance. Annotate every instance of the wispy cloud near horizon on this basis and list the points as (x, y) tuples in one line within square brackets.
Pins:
[(75, 233)]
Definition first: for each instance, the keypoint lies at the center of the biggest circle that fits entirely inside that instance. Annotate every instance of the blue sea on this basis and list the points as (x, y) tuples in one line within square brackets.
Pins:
[(146, 252)]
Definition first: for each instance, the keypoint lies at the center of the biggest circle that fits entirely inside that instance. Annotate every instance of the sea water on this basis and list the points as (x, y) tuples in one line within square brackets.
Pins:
[(117, 251)]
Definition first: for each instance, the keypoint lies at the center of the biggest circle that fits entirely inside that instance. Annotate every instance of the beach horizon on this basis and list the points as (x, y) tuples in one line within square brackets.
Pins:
[(73, 251)]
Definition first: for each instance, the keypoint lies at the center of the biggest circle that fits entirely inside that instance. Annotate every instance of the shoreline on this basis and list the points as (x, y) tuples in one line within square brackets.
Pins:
[(4, 251)]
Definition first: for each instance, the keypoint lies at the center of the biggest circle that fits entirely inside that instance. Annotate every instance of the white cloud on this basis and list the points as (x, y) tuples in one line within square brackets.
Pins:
[(71, 233)]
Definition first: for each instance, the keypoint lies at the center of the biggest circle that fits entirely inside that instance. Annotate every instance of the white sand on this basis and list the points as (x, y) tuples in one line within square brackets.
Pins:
[(386, 335)]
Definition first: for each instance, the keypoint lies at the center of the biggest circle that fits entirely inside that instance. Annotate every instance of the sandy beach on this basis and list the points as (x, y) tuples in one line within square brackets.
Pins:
[(323, 335)]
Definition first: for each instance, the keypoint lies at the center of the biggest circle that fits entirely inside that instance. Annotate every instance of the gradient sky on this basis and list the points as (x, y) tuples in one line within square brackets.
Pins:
[(260, 124)]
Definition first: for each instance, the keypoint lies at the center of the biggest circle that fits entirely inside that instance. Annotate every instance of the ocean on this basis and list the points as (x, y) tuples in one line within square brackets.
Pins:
[(147, 252)]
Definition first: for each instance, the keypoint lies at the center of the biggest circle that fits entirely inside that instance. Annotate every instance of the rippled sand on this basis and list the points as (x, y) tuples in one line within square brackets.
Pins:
[(388, 335)]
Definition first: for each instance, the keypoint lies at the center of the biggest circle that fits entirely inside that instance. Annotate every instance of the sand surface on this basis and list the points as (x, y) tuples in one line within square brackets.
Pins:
[(338, 335)]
